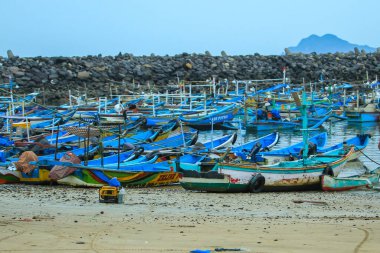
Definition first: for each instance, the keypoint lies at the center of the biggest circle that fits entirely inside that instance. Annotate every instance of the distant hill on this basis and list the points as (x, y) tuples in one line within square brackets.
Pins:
[(327, 43)]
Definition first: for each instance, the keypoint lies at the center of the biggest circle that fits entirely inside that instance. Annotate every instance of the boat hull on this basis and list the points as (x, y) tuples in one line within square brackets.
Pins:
[(353, 116), (92, 178), (343, 184), (222, 184), (9, 176), (37, 176), (288, 175)]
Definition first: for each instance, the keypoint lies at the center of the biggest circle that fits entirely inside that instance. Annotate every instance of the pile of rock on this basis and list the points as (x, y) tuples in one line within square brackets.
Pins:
[(56, 75)]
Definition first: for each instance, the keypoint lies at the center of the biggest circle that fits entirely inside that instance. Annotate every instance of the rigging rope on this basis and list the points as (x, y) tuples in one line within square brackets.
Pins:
[(369, 158)]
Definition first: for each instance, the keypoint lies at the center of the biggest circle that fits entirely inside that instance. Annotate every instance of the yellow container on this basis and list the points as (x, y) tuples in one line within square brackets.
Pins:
[(108, 194)]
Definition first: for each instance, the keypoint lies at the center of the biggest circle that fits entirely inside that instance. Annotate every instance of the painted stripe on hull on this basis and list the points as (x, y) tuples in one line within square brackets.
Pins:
[(129, 179), (212, 185)]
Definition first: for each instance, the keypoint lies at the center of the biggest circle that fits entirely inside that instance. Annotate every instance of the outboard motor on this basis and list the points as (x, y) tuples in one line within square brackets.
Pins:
[(255, 149), (312, 148)]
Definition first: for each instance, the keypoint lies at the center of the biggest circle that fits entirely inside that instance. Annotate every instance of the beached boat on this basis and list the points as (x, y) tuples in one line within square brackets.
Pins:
[(304, 174), (330, 183), (211, 181), (147, 175), (9, 176)]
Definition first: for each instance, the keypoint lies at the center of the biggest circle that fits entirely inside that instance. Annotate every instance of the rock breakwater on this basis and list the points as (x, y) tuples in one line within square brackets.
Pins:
[(98, 74)]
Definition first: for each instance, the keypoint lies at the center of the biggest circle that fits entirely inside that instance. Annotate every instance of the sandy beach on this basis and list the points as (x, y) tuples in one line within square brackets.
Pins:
[(170, 219)]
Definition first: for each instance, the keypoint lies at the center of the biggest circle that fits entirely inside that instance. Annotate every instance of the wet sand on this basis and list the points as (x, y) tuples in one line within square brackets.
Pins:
[(170, 219)]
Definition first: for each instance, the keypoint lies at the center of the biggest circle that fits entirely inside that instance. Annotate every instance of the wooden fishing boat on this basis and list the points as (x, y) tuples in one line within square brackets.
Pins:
[(176, 141), (212, 145), (367, 113), (283, 124), (330, 183), (34, 122), (211, 181), (9, 176), (291, 152), (304, 174), (359, 142), (199, 161), (37, 176), (141, 137), (217, 120), (146, 175), (263, 143)]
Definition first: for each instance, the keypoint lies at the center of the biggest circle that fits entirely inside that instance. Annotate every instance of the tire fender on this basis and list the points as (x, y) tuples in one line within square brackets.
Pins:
[(256, 184)]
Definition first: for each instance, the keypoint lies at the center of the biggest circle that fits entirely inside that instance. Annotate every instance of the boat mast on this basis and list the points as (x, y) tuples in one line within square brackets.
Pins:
[(304, 126), (303, 107)]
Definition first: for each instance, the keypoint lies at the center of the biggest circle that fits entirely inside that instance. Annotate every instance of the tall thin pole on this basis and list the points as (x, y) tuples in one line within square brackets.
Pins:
[(101, 150), (70, 100), (304, 127), (344, 98), (212, 133), (357, 99), (56, 142), (214, 86), (183, 134), (87, 145), (118, 150)]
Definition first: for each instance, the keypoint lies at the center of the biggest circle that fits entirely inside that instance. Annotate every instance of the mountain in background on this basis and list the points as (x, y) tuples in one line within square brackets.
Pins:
[(327, 43)]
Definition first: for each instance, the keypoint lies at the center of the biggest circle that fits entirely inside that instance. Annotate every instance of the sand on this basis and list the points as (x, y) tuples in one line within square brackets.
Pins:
[(170, 219)]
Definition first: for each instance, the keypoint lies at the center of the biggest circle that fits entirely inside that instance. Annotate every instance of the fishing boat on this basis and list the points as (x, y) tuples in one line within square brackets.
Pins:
[(277, 122), (367, 114), (251, 148), (303, 174), (266, 142), (145, 175), (212, 145), (9, 176), (359, 142), (202, 158), (291, 152), (330, 183), (211, 181), (362, 109), (217, 120)]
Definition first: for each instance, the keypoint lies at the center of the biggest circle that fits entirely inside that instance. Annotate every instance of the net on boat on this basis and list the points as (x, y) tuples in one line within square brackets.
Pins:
[(59, 172), (84, 132), (23, 163)]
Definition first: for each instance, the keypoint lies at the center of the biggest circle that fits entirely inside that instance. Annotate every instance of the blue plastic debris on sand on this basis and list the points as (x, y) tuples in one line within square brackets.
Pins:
[(200, 251), (114, 182)]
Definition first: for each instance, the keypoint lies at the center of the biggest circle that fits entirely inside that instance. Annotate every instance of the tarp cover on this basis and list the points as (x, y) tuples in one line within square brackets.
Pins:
[(58, 171), (23, 162)]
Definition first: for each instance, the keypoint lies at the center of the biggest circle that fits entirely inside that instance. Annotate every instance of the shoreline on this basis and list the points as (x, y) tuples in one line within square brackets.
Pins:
[(170, 219)]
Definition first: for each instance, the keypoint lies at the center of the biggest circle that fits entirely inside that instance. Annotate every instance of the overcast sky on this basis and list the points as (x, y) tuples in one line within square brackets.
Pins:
[(142, 27)]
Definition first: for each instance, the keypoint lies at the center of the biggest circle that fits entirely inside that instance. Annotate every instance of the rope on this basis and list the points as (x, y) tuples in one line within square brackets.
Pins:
[(369, 158)]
